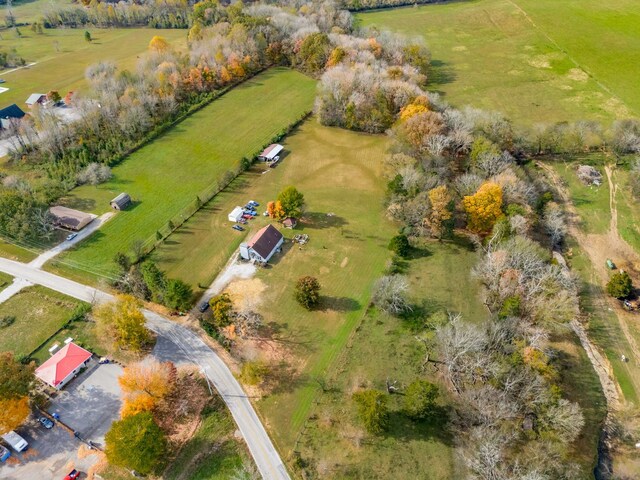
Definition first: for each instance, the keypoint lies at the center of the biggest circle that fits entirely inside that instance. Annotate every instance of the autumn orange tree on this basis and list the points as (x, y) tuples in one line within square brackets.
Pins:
[(146, 383), (275, 210), (484, 207), (440, 200), (16, 382)]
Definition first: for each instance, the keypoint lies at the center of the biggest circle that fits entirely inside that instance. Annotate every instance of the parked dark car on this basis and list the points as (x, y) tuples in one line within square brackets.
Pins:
[(48, 424), (238, 228), (203, 307)]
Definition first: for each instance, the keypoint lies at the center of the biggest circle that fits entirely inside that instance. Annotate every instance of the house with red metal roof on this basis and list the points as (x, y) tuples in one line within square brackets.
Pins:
[(63, 366), (262, 245)]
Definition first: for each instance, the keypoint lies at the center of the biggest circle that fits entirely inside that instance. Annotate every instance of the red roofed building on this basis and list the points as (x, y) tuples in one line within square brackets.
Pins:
[(60, 368), (263, 244)]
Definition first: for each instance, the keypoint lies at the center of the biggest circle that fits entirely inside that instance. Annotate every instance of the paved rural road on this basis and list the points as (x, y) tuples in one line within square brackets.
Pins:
[(264, 453)]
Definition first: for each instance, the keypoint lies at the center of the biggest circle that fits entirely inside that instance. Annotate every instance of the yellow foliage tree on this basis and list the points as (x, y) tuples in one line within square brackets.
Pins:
[(145, 383), (159, 44), (137, 403), (225, 76), (440, 213), (484, 207), (419, 105), (13, 413), (123, 322)]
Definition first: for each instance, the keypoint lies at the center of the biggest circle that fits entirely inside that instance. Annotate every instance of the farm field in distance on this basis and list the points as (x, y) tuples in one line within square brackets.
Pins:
[(518, 57), (62, 56), (27, 11), (165, 175), (39, 313)]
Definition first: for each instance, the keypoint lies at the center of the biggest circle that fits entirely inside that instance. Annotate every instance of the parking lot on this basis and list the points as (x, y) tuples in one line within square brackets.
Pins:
[(88, 405)]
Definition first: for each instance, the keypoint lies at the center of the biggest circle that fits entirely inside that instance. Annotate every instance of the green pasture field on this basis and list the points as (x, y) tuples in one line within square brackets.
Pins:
[(340, 174), (384, 348), (591, 202), (165, 175), (28, 11), (62, 55), (537, 61), (39, 313)]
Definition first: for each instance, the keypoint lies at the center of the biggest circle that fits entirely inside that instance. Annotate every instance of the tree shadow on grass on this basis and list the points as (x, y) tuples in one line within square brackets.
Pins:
[(284, 378), (415, 253), (417, 319), (299, 338), (441, 73), (405, 429), (338, 304), (320, 220)]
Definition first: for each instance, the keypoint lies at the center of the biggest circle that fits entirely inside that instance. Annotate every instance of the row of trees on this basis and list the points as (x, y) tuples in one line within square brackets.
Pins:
[(147, 282), (10, 59), (154, 14), (458, 170)]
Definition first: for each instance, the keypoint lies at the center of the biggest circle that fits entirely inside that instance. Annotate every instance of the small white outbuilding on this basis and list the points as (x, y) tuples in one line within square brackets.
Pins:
[(236, 214), (271, 152)]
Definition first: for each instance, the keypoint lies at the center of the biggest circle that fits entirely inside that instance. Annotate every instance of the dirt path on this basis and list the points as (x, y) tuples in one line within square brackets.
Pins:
[(600, 247)]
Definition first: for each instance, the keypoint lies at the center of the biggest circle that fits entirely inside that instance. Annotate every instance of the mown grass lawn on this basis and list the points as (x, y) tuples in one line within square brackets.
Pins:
[(39, 313), (165, 176), (84, 333), (62, 56), (5, 280), (489, 54), (14, 252)]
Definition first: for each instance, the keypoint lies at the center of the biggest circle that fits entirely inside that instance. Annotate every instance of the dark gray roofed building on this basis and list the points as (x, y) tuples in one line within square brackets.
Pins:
[(121, 202)]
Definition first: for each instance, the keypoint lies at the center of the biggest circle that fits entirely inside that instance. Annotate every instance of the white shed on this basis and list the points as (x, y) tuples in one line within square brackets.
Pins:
[(271, 152), (236, 214)]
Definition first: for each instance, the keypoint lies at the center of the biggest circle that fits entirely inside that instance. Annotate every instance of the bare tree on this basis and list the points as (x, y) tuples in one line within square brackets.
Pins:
[(390, 294), (554, 224)]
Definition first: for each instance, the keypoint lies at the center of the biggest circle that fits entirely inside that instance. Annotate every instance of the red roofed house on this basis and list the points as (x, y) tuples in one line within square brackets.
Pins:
[(263, 244), (60, 368)]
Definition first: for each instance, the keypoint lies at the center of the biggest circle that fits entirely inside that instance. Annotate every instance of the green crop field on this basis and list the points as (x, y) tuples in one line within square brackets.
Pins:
[(534, 60), (165, 176), (61, 57), (39, 313)]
